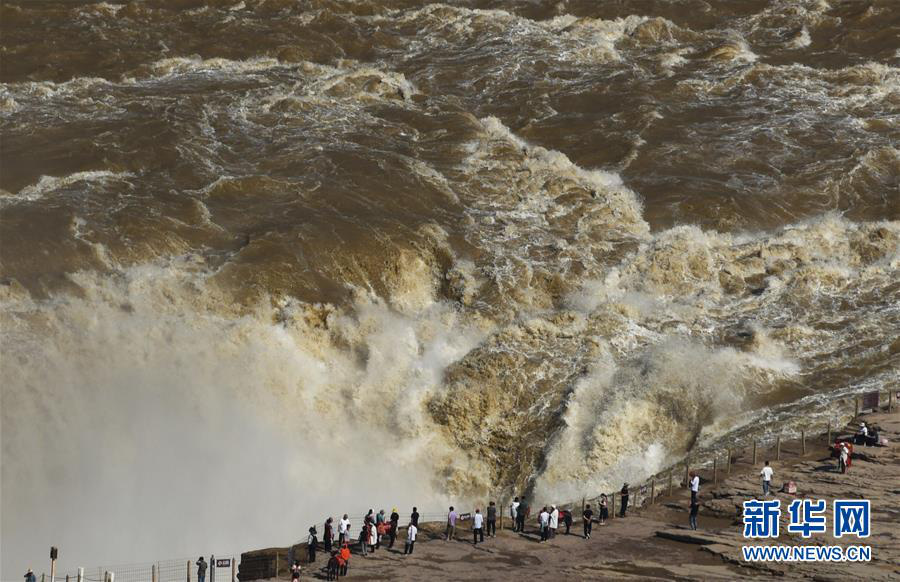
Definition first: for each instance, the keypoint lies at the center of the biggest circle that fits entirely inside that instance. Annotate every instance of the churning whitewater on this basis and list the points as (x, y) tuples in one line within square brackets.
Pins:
[(258, 256)]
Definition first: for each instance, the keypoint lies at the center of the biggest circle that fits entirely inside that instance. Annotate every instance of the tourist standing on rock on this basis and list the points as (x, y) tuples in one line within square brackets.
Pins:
[(522, 514), (767, 473), (379, 519), (29, 576), (624, 494), (695, 486), (364, 540), (567, 519), (344, 530), (478, 526), (328, 535), (334, 566), (554, 520), (373, 537), (588, 516), (544, 524), (492, 520), (604, 508), (414, 517), (451, 525), (844, 457), (395, 522), (513, 513), (311, 542), (201, 570), (695, 507), (411, 532), (345, 559)]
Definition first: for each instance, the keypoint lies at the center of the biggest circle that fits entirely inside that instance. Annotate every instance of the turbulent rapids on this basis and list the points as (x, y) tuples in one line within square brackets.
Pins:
[(267, 260)]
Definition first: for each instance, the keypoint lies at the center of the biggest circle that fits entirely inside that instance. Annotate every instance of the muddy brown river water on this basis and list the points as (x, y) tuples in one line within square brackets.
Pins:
[(265, 260)]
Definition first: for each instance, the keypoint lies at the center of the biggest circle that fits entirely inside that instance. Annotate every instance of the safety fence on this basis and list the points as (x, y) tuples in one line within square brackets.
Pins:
[(220, 568)]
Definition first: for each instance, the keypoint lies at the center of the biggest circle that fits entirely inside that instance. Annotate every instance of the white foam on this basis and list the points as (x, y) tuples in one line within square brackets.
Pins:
[(49, 184), (802, 39), (149, 370)]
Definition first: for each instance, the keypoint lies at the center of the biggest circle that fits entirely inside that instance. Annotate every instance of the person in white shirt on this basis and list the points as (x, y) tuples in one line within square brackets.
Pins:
[(514, 513), (554, 520), (766, 473), (477, 526), (544, 519), (411, 532), (695, 486), (344, 530), (845, 456), (862, 434)]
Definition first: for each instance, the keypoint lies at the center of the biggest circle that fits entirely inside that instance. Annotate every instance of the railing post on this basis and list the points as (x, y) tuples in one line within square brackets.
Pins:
[(803, 442), (153, 574), (755, 442), (188, 570), (670, 482), (890, 401), (234, 568), (715, 469), (612, 499), (778, 448)]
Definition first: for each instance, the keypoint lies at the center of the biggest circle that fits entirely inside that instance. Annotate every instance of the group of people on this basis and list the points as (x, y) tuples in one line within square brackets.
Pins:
[(549, 517), (375, 528)]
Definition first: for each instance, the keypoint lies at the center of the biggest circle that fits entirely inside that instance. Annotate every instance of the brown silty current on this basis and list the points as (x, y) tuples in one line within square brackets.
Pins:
[(543, 245)]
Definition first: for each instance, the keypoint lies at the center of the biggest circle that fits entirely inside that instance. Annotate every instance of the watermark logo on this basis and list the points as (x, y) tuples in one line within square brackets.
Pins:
[(761, 518), (807, 517), (850, 517)]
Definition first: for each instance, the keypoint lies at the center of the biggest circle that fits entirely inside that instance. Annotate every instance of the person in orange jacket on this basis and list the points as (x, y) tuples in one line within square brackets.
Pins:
[(345, 559)]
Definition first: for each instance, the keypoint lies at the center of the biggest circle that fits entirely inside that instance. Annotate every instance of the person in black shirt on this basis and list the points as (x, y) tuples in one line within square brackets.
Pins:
[(395, 519), (588, 517), (492, 520), (521, 513), (328, 537), (414, 518), (624, 493), (312, 541), (201, 570)]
